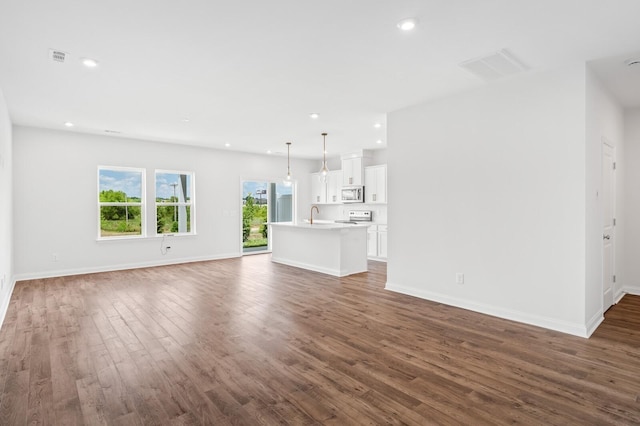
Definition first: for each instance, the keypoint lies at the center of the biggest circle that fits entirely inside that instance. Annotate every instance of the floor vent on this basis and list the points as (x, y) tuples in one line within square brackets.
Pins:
[(494, 66), (57, 55)]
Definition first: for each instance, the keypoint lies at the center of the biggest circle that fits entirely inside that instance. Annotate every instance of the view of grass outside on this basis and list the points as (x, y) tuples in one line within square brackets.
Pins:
[(167, 218), (254, 227), (120, 202), (117, 219)]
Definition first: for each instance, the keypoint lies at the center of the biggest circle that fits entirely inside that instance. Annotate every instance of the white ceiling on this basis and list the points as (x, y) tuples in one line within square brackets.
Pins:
[(250, 72)]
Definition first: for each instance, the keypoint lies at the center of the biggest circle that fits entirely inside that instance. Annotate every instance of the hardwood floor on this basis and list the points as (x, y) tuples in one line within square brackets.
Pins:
[(246, 341)]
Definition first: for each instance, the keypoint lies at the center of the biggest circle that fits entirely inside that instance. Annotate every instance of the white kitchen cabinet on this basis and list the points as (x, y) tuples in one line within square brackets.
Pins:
[(372, 242), (382, 241), (326, 190), (375, 184), (352, 171), (377, 242), (318, 189), (334, 185)]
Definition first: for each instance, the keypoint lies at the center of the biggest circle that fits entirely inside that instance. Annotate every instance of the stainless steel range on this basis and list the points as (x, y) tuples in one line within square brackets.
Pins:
[(358, 216)]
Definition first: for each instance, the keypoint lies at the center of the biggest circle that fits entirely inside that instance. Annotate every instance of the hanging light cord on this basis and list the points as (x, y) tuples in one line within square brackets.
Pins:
[(288, 165)]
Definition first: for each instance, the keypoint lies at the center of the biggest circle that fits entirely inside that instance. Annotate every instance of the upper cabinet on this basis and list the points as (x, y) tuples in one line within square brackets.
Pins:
[(334, 185), (326, 190), (375, 184), (318, 189), (352, 171)]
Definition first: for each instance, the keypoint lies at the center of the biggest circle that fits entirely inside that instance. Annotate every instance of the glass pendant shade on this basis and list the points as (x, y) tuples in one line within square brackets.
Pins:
[(324, 170), (287, 181)]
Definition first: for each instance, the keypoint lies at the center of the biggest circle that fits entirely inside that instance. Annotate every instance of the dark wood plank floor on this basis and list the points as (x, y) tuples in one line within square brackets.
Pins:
[(245, 341)]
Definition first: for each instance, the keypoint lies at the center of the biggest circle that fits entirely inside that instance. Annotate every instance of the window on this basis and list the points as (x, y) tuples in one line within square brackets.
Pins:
[(174, 202), (120, 202)]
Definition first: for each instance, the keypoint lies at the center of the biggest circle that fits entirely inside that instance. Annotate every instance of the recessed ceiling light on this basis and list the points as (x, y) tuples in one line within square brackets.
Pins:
[(68, 124), (407, 24), (185, 120), (377, 125), (314, 115), (89, 63), (268, 151), (379, 141), (227, 144)]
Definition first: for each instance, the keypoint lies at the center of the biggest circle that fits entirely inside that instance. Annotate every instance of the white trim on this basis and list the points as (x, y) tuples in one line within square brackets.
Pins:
[(619, 297), (631, 290), (576, 329), (594, 323), (316, 268), (5, 306), (123, 266)]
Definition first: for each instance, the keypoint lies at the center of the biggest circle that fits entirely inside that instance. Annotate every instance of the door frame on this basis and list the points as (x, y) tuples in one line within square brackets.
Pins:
[(269, 181), (604, 146)]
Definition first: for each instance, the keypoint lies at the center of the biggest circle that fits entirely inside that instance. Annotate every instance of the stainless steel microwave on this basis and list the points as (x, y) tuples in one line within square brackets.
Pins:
[(352, 194)]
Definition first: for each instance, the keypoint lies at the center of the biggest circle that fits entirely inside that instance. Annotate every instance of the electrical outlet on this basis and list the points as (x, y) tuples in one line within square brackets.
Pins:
[(459, 278), (54, 257)]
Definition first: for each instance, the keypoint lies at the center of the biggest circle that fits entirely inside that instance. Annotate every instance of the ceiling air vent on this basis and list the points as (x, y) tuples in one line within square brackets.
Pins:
[(497, 65), (57, 55)]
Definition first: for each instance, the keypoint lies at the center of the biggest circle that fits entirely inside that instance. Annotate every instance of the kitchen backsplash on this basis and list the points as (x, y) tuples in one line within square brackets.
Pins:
[(341, 211)]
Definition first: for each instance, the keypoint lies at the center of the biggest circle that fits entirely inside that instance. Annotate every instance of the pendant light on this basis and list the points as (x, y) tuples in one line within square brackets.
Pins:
[(324, 170), (287, 180)]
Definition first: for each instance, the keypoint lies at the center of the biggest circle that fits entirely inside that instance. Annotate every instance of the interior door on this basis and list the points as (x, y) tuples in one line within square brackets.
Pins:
[(608, 223)]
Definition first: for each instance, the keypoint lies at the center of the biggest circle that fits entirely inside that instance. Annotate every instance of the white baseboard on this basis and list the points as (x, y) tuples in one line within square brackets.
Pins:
[(5, 303), (576, 329), (594, 322), (124, 266), (631, 290), (316, 268)]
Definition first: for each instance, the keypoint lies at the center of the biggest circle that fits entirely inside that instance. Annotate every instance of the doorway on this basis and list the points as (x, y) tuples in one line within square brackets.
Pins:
[(262, 202), (608, 224)]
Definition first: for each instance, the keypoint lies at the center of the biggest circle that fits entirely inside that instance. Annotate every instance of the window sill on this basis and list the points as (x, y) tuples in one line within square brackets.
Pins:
[(145, 238)]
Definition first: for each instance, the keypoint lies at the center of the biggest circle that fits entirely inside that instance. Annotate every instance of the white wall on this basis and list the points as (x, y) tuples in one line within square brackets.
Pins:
[(631, 265), (6, 204), (56, 200), (604, 120), (491, 183)]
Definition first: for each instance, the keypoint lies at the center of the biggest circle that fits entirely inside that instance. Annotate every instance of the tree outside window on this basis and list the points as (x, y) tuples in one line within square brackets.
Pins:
[(174, 202), (120, 202)]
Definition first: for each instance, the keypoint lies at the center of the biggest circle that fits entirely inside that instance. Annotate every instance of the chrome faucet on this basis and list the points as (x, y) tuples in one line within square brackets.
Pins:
[(317, 210)]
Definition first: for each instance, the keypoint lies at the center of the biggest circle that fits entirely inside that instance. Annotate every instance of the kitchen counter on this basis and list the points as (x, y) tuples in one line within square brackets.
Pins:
[(336, 249)]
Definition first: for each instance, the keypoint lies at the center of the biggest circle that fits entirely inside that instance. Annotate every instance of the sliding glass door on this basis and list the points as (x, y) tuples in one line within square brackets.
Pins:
[(262, 202)]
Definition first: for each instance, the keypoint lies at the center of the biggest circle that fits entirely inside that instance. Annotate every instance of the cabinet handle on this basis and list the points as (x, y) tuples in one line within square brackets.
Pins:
[(350, 181), (374, 197), (334, 198), (318, 198)]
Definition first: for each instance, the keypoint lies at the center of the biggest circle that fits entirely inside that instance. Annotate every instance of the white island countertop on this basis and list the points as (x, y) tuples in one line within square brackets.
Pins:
[(337, 249), (322, 225)]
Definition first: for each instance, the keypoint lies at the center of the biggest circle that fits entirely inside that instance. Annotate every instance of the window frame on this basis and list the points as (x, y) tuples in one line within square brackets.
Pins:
[(141, 204), (191, 203)]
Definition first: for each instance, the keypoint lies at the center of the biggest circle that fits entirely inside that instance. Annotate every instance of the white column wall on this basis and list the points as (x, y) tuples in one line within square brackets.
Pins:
[(491, 184), (6, 209), (630, 259), (604, 120)]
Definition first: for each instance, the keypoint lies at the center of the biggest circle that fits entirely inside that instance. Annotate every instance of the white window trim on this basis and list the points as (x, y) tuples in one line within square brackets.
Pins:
[(141, 204), (191, 203)]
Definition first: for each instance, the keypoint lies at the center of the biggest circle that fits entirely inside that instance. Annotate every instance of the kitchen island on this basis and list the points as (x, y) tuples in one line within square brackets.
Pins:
[(331, 248)]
